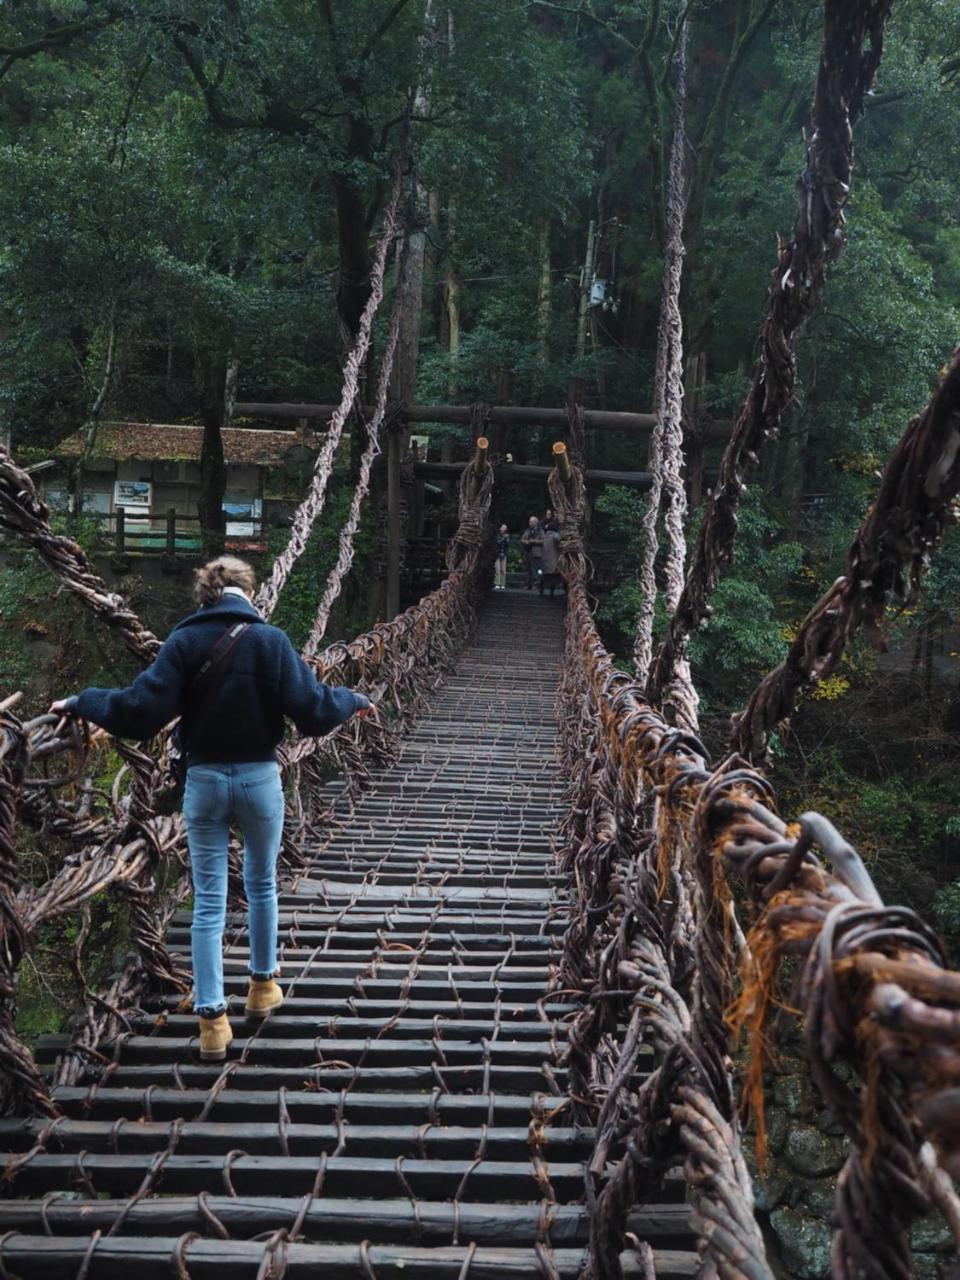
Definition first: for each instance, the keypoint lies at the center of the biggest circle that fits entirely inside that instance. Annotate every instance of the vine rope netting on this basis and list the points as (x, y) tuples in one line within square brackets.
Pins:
[(657, 841)]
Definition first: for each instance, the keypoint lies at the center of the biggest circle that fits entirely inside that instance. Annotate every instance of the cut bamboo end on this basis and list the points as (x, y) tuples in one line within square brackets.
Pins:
[(480, 455), (562, 460)]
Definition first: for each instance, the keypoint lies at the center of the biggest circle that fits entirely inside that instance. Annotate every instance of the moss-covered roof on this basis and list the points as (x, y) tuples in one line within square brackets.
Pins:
[(163, 442)]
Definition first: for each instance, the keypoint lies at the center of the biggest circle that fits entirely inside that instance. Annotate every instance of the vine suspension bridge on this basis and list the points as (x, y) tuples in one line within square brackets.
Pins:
[(513, 992)]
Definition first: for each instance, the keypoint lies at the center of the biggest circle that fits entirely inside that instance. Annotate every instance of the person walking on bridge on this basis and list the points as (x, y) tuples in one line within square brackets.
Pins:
[(531, 540), (500, 563), (231, 677), (550, 557)]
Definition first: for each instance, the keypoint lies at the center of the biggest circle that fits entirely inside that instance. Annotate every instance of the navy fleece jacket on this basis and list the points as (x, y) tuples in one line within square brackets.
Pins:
[(242, 714)]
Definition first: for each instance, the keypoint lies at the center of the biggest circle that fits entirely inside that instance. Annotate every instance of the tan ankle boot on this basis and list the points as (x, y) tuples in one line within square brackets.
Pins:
[(215, 1037), (263, 998)]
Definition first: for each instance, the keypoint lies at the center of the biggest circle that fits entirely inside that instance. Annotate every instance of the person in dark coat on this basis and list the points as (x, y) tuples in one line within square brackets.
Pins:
[(549, 559), (531, 542), (500, 563), (232, 773)]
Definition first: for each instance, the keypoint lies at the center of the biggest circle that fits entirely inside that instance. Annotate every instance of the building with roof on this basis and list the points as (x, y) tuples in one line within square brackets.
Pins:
[(150, 469)]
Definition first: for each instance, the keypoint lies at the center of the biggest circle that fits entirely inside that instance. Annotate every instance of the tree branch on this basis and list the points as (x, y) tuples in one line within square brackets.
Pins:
[(386, 23), (57, 38), (128, 110), (586, 13), (277, 115)]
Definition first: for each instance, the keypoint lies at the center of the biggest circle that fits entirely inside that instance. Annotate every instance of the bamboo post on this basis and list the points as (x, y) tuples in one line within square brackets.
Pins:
[(120, 534), (480, 455), (171, 531), (479, 463), (562, 461)]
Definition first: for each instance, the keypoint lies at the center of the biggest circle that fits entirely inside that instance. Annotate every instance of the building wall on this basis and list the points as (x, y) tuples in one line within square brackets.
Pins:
[(173, 484)]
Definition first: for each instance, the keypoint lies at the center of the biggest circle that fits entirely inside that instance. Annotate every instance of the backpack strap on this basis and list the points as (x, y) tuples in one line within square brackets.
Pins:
[(215, 664), (225, 645)]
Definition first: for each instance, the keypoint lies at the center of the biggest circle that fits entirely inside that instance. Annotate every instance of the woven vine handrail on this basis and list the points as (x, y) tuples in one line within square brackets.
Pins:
[(658, 840)]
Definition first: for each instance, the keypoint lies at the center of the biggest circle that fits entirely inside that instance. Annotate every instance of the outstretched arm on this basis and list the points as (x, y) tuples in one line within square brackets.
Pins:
[(140, 710), (315, 708)]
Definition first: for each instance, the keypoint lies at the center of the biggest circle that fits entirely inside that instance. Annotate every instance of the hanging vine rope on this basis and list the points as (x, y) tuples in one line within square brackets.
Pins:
[(666, 442), (850, 54), (371, 452), (903, 527), (312, 506), (22, 513)]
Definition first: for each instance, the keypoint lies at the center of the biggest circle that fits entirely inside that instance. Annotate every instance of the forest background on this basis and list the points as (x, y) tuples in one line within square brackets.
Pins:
[(190, 187)]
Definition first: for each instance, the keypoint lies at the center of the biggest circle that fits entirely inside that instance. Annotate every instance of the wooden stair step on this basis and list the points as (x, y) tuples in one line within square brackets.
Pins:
[(327, 1218), (59, 1258)]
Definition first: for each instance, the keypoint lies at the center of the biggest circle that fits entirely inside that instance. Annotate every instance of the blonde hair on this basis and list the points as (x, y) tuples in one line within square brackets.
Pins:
[(225, 571)]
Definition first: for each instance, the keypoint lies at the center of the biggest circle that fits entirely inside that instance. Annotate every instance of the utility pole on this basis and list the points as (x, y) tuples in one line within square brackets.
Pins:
[(586, 284), (693, 381)]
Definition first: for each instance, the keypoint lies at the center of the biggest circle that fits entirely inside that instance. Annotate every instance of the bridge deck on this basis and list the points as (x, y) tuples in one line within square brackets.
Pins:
[(404, 1113)]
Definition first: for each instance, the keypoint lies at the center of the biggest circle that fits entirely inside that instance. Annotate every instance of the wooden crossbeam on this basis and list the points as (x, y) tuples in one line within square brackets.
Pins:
[(460, 414), (518, 471)]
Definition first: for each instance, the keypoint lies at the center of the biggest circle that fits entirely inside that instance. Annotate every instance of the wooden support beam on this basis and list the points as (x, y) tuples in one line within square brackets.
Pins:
[(515, 471), (506, 415)]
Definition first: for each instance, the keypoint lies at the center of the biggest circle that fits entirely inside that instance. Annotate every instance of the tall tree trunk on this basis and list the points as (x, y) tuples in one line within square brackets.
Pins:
[(403, 383), (353, 271), (586, 284), (452, 299), (544, 308), (218, 378), (92, 424)]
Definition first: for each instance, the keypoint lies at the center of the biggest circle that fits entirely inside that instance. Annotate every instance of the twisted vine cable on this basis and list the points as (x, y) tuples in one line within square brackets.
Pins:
[(311, 508)]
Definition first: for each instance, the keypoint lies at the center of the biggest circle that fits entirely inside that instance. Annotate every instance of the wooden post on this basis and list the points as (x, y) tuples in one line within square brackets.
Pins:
[(479, 463), (562, 460), (120, 531), (480, 456), (693, 380), (171, 531)]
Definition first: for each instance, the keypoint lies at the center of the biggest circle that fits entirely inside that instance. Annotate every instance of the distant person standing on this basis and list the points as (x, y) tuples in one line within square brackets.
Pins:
[(532, 544), (500, 564), (550, 558)]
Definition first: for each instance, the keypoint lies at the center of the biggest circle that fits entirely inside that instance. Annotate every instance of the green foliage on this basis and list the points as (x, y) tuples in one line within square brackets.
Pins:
[(298, 602), (751, 607)]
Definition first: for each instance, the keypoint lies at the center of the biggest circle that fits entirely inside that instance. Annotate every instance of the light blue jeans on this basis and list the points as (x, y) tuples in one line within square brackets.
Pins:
[(215, 796)]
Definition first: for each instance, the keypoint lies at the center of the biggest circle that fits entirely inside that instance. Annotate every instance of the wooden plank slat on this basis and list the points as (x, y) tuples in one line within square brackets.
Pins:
[(43, 1258)]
